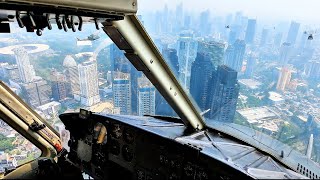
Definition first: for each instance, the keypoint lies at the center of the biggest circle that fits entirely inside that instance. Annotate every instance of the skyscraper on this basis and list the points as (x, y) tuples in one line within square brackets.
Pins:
[(225, 92), (170, 55), (251, 30), (214, 49), (277, 39), (284, 78), (58, 85), (89, 87), (122, 64), (303, 40), (204, 26), (121, 89), (201, 77), (251, 65), (293, 32), (12, 72), (187, 49), (234, 55), (264, 36), (38, 92), (285, 53), (72, 76), (312, 70), (26, 70), (146, 97), (234, 33)]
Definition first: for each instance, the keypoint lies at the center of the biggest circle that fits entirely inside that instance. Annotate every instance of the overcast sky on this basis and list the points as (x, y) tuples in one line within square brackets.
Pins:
[(305, 11)]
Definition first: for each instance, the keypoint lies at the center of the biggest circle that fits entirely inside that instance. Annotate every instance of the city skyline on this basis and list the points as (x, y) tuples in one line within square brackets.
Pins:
[(230, 64)]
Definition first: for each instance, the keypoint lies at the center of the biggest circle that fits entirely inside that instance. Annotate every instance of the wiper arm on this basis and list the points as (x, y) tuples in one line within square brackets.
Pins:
[(130, 36)]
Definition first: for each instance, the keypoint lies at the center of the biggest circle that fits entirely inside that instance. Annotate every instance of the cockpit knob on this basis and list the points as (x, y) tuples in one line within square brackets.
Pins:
[(39, 32)]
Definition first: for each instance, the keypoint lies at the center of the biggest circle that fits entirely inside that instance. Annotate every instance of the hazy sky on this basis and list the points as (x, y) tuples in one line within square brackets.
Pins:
[(299, 10)]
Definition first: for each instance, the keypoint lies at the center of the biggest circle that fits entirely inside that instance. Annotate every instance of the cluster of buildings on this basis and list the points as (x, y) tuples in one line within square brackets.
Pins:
[(218, 60), (22, 149)]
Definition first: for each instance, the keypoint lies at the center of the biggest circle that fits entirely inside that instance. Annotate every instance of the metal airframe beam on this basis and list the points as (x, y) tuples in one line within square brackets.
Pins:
[(129, 35)]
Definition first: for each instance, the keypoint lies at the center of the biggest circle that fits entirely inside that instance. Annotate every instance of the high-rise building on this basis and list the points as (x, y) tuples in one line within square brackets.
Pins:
[(264, 36), (119, 61), (201, 77), (285, 53), (170, 55), (38, 92), (205, 26), (277, 39), (72, 76), (187, 22), (303, 40), (121, 89), (26, 70), (89, 87), (251, 65), (12, 72), (251, 30), (225, 92), (162, 107), (234, 55), (284, 78), (312, 70), (215, 51), (122, 64), (187, 49), (146, 97), (58, 85), (234, 33), (293, 32)]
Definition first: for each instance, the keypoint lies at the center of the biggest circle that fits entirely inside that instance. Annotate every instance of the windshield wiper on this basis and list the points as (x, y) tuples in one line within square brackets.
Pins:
[(165, 118)]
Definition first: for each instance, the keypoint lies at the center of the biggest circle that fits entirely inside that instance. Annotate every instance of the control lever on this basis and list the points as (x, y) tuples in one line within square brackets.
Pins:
[(20, 23), (72, 25), (48, 22), (33, 24), (64, 24), (96, 23), (68, 21), (80, 23), (58, 21)]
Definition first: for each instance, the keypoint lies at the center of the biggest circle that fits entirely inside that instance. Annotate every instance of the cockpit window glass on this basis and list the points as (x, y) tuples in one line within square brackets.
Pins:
[(15, 150), (248, 66)]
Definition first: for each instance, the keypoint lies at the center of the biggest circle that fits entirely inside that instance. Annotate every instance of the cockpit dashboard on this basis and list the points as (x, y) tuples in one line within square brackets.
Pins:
[(129, 147)]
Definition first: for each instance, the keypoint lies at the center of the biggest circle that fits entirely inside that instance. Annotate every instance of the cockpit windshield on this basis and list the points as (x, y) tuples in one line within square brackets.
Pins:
[(250, 67)]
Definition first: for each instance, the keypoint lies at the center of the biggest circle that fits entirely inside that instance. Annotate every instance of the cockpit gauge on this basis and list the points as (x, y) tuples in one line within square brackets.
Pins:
[(128, 136), (127, 153), (100, 132), (116, 131), (114, 147)]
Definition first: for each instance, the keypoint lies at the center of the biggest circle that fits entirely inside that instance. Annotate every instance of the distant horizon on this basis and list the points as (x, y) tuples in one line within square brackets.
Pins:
[(306, 12)]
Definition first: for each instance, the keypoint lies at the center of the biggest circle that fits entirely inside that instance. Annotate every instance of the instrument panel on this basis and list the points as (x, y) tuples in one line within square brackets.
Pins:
[(145, 148), (107, 148)]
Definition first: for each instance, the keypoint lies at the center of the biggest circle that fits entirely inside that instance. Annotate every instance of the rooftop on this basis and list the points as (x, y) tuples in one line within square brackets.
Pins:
[(250, 83), (49, 105), (257, 113), (276, 97)]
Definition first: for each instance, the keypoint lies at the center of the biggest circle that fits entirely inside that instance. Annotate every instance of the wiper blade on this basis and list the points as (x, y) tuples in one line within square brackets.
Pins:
[(165, 118)]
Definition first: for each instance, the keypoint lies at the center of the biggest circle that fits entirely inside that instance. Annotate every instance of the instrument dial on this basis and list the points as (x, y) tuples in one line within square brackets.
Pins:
[(116, 131)]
